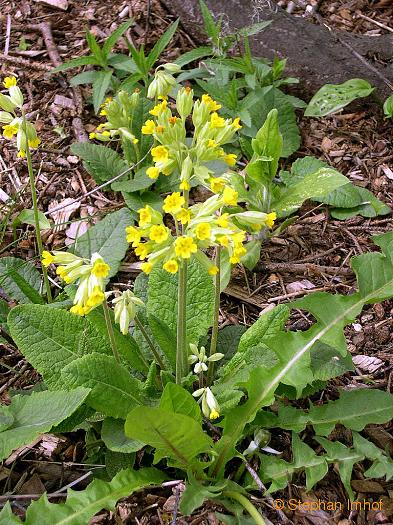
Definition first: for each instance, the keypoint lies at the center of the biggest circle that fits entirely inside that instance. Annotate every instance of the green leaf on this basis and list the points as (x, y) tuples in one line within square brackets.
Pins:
[(80, 506), (382, 464), (228, 341), (7, 517), (113, 390), (326, 364), (162, 299), (112, 434), (36, 414), (312, 186), (125, 344), (114, 37), (332, 97), (251, 258), (177, 400), (346, 458), (175, 436), (254, 29), (196, 493), (212, 29), (161, 44), (27, 217), (267, 143), (137, 200), (140, 182), (20, 280), (51, 338), (388, 107), (6, 418), (76, 62), (260, 102), (108, 238), (100, 87), (101, 162), (86, 77), (164, 337), (194, 54), (374, 273), (95, 48), (117, 461)]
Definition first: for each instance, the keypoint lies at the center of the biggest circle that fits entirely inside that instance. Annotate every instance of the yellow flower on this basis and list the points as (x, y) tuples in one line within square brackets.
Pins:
[(213, 270), (216, 121), (171, 266), (103, 112), (214, 414), (184, 216), (212, 104), (133, 236), (159, 153), (223, 240), (230, 159), (100, 126), (173, 203), (77, 309), (47, 258), (9, 82), (92, 135), (239, 237), (96, 297), (21, 154), (203, 231), (236, 123), (106, 133), (216, 184), (184, 185), (149, 127), (230, 196), (185, 246), (146, 267), (172, 120), (34, 143), (144, 216), (100, 269), (158, 234), (9, 131), (135, 141), (159, 129), (158, 108), (239, 251), (153, 172), (211, 143), (271, 217), (222, 220), (142, 251)]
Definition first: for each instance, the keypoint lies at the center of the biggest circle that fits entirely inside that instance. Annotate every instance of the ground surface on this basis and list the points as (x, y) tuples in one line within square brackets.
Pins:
[(313, 253)]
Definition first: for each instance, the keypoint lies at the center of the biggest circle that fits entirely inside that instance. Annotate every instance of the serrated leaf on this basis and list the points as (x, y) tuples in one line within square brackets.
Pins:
[(375, 280), (37, 413), (101, 162), (108, 238), (80, 506), (7, 517), (112, 434), (137, 200), (177, 400), (162, 299), (382, 466), (51, 338), (113, 390), (332, 97), (20, 280), (175, 436)]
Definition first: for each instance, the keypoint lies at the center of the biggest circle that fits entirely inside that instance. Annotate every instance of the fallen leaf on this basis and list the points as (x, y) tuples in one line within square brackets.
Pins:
[(298, 286), (62, 215), (367, 363)]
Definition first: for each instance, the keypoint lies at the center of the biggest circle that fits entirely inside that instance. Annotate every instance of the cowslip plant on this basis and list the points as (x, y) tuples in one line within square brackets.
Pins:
[(157, 370)]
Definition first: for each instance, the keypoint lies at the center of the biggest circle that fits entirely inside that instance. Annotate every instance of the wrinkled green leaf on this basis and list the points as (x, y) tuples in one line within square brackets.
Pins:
[(20, 280), (101, 162)]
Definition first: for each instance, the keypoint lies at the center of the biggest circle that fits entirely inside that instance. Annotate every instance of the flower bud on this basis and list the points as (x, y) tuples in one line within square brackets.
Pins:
[(184, 101), (6, 103), (5, 117), (171, 67), (16, 96)]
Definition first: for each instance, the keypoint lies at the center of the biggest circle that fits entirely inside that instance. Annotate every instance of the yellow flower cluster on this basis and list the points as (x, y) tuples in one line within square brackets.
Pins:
[(203, 226), (12, 124), (90, 275), (175, 152)]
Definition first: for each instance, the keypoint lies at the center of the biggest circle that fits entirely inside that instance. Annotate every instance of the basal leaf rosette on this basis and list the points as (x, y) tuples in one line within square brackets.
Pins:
[(12, 119), (196, 229), (189, 156)]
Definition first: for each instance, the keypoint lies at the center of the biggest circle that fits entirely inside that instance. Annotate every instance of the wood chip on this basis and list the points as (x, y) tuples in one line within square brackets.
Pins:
[(56, 4), (297, 286), (367, 363), (61, 216)]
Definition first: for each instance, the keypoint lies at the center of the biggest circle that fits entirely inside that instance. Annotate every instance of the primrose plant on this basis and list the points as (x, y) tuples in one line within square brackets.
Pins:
[(155, 371)]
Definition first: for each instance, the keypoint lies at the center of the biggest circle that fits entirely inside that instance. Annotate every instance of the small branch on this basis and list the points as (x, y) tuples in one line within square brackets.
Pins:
[(7, 35), (375, 22)]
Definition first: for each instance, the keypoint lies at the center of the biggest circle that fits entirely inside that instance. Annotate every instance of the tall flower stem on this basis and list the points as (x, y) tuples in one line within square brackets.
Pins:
[(181, 344), (247, 505), (36, 215), (213, 341), (153, 350), (109, 327)]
